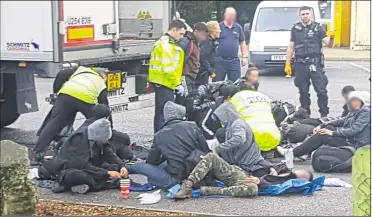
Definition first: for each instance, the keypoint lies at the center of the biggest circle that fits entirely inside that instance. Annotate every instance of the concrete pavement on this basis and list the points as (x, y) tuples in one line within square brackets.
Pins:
[(345, 54), (138, 124)]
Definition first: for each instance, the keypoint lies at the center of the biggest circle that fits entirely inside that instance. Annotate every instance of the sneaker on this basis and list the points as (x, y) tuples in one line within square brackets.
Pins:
[(57, 188), (288, 155), (80, 189)]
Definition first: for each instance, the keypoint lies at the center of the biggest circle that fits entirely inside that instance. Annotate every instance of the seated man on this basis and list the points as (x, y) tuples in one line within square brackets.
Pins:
[(201, 103), (353, 130), (180, 143), (119, 141), (255, 108), (79, 166), (238, 147), (238, 183)]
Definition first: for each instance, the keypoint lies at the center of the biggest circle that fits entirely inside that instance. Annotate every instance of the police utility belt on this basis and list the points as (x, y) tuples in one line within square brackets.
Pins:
[(312, 61)]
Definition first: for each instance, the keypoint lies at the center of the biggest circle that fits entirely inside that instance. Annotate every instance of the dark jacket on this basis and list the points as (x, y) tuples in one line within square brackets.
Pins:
[(355, 126), (208, 56), (239, 147), (268, 180), (345, 110), (79, 153), (192, 62), (175, 142)]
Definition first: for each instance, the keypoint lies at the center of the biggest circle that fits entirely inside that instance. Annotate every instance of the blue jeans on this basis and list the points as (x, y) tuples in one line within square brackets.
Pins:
[(229, 67), (156, 175)]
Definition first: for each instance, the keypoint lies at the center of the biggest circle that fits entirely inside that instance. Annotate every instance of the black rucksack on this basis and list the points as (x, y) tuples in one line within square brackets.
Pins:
[(329, 159)]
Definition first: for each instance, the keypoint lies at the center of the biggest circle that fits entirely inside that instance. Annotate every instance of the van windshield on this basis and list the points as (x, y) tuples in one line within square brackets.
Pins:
[(278, 19)]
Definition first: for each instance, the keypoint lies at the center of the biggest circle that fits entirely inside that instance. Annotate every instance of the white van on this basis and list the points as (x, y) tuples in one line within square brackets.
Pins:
[(270, 32)]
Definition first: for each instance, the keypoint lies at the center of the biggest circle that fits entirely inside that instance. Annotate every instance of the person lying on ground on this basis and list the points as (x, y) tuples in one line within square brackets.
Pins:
[(352, 130), (119, 141), (237, 181), (318, 121), (80, 167), (238, 147), (180, 143), (255, 108)]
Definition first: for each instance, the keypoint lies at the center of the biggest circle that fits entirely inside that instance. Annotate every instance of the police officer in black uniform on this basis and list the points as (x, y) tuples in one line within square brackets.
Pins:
[(306, 42)]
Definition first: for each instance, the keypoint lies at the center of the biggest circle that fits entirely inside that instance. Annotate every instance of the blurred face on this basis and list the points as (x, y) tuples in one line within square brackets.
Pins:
[(230, 15), (303, 174), (177, 34), (305, 16), (104, 76), (215, 33), (356, 104), (201, 35), (252, 77)]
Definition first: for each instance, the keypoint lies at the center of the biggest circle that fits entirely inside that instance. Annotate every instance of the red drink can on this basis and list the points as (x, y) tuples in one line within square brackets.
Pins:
[(125, 188)]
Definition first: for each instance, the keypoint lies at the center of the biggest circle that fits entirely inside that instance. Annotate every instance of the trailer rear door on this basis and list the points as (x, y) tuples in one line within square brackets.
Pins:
[(27, 30)]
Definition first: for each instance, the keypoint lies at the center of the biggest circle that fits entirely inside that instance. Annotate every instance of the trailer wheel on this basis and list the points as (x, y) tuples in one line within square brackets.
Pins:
[(8, 105)]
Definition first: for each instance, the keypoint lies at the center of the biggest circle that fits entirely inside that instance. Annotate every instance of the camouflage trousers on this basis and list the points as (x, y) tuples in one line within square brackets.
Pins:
[(230, 175)]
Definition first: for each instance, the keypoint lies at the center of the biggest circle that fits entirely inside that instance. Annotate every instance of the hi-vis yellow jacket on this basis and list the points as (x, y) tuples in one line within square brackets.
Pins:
[(85, 85), (166, 63), (255, 109)]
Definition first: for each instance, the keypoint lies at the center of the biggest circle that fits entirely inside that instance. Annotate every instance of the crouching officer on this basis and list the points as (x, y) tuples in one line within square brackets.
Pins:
[(165, 70), (80, 92), (306, 43)]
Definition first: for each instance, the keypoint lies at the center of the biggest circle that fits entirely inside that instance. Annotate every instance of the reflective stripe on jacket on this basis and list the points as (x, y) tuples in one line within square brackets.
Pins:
[(255, 109), (166, 63), (85, 85)]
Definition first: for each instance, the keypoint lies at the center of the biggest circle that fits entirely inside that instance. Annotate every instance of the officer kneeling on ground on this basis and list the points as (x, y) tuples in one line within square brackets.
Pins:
[(78, 91), (306, 41)]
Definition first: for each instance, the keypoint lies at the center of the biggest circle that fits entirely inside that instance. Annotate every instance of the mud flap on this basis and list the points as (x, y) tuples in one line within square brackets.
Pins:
[(26, 91), (362, 182)]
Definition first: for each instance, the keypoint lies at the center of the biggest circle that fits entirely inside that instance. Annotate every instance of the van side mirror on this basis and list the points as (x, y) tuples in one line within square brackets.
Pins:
[(247, 32), (247, 28)]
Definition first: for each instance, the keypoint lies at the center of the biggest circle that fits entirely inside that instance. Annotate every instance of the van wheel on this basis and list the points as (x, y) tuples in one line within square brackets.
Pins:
[(8, 106)]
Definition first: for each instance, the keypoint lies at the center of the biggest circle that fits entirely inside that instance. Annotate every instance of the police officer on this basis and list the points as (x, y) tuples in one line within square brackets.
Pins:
[(165, 70), (306, 42), (80, 93)]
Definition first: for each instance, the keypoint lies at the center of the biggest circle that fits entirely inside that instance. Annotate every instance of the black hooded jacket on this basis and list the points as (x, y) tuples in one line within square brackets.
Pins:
[(79, 153)]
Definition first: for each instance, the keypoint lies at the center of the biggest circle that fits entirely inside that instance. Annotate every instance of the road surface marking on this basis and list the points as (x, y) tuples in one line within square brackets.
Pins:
[(359, 66)]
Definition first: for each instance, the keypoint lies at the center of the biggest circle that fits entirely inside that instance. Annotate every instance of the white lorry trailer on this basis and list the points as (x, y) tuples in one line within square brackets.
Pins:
[(41, 37)]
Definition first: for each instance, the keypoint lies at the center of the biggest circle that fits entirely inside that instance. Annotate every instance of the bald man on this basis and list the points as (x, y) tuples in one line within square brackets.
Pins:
[(208, 54), (232, 37)]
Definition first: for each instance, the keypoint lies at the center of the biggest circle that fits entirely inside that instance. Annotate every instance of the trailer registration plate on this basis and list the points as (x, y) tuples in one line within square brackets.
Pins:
[(114, 81)]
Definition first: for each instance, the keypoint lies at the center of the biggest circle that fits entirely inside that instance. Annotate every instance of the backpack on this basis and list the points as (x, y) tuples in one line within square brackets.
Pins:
[(329, 159)]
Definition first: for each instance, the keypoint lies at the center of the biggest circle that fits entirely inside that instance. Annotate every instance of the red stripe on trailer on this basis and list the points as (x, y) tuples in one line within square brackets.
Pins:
[(77, 44)]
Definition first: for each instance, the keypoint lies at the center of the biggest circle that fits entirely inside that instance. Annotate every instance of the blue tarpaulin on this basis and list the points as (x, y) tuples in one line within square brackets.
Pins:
[(288, 187)]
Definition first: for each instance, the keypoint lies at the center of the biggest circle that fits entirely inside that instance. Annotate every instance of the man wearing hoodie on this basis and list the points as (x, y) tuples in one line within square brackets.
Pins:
[(180, 143), (353, 130), (79, 166), (238, 149)]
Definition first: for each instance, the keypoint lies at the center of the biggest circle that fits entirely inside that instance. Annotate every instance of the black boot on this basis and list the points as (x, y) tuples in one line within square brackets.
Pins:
[(185, 190)]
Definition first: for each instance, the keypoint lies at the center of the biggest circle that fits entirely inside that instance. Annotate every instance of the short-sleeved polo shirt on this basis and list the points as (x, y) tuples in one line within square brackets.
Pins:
[(229, 41)]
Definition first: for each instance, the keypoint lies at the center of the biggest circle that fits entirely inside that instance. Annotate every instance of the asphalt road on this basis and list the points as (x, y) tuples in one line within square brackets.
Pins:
[(138, 123)]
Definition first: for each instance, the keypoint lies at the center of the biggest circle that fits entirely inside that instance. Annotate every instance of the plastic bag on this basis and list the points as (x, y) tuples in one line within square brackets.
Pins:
[(149, 198)]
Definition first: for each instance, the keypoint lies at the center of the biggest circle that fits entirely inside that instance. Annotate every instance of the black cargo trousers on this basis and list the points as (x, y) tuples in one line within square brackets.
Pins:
[(304, 76)]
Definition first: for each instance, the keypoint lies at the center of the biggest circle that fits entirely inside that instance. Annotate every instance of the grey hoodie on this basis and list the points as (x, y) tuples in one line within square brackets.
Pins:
[(240, 147), (173, 111), (356, 125)]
